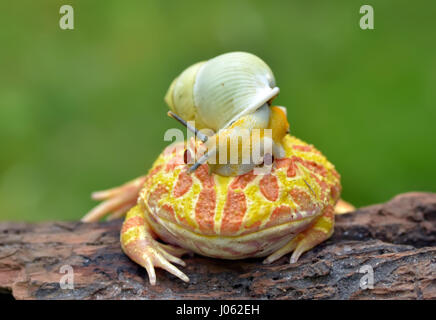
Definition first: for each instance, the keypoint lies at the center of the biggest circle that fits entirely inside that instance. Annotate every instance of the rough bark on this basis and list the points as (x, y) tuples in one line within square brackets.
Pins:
[(397, 239)]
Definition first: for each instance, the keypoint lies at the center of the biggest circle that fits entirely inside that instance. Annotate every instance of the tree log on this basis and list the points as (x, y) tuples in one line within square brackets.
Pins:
[(396, 241)]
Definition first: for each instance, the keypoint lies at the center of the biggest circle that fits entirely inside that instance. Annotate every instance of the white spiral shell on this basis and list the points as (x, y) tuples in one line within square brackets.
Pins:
[(219, 91)]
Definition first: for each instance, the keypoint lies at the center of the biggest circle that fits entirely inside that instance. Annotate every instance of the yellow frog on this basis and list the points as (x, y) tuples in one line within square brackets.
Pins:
[(226, 210)]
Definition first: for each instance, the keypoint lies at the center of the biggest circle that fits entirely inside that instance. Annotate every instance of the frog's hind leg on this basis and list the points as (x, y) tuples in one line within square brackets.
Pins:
[(320, 231), (116, 201), (138, 243)]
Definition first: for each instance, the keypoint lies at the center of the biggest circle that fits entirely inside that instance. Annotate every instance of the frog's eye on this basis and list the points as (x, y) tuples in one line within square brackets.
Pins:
[(187, 158)]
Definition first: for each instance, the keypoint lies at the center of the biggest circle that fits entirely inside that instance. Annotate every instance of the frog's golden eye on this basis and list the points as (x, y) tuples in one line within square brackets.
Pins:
[(187, 158)]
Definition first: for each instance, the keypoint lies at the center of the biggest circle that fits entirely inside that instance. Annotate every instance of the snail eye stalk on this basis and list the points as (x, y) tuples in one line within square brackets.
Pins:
[(200, 161), (187, 155), (197, 133)]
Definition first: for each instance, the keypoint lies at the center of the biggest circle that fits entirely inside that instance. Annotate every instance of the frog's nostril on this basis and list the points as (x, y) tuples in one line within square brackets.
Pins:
[(187, 157)]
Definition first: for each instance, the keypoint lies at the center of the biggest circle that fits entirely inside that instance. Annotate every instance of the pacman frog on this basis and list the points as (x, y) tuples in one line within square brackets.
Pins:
[(290, 209), (223, 210)]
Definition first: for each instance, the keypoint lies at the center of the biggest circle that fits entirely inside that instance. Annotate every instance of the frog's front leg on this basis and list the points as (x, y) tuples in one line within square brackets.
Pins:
[(138, 243), (318, 232)]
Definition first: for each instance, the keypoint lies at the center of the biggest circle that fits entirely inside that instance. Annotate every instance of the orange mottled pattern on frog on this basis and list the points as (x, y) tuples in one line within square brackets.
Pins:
[(183, 184), (299, 186), (205, 210), (234, 212), (269, 187)]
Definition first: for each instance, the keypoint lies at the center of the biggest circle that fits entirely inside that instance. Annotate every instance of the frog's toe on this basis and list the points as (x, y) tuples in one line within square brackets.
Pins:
[(320, 231), (342, 207), (153, 256), (300, 244), (175, 251), (297, 254), (291, 245), (148, 265), (170, 257), (162, 259), (163, 263), (116, 201)]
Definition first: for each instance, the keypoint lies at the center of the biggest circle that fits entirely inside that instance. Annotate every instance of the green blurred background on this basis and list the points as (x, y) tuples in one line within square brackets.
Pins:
[(83, 110)]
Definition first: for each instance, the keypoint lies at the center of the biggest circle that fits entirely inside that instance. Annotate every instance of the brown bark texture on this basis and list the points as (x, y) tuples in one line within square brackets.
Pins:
[(394, 242)]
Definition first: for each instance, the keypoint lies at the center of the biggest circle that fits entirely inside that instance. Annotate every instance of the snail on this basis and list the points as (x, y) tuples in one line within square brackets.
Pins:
[(225, 96)]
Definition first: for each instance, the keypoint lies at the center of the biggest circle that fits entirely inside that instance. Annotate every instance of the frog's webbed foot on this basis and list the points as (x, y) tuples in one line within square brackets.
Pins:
[(320, 231), (138, 243), (116, 201)]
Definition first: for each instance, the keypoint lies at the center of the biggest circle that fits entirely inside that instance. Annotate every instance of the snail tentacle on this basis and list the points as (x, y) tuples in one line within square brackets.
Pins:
[(191, 128)]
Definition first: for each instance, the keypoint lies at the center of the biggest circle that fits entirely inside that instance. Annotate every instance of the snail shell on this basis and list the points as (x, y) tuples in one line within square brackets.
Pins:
[(217, 92)]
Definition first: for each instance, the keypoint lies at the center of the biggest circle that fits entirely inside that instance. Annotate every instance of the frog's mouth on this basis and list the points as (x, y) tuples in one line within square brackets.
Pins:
[(252, 244)]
